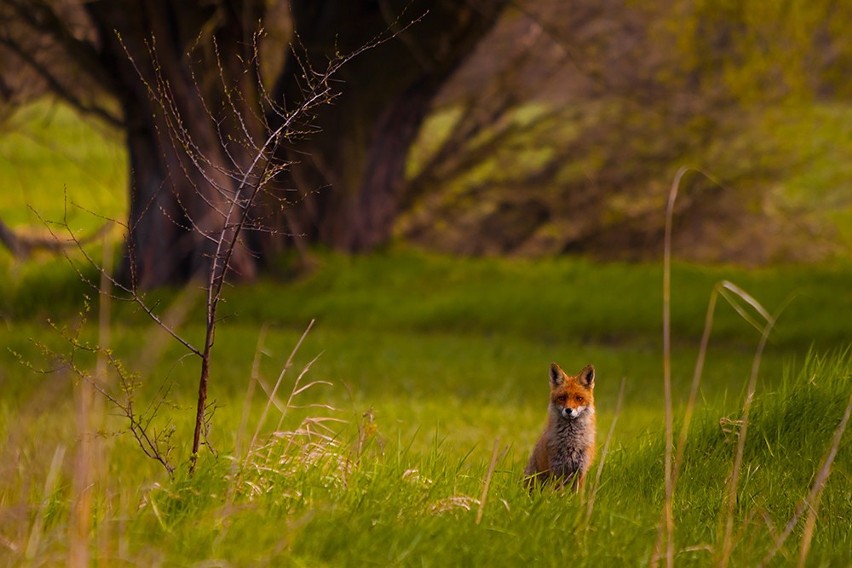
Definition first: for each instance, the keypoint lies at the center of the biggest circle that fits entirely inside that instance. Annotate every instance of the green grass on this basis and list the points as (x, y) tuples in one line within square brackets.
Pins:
[(549, 300), (445, 374), (433, 362), (55, 167)]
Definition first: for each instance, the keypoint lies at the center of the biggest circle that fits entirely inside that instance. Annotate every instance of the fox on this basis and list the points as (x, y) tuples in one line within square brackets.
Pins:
[(566, 448)]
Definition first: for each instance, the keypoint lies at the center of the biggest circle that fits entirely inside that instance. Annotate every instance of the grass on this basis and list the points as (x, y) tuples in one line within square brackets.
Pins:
[(54, 166), (443, 376), (436, 365)]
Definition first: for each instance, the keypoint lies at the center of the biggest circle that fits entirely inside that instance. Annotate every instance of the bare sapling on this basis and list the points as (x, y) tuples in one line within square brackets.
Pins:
[(243, 165)]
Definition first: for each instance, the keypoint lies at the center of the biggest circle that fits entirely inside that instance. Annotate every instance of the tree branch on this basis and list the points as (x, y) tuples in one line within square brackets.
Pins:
[(58, 88), (22, 246)]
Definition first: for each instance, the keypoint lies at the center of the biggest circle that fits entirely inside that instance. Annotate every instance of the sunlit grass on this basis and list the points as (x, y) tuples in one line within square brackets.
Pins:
[(424, 398), (55, 166), (404, 486), (433, 362)]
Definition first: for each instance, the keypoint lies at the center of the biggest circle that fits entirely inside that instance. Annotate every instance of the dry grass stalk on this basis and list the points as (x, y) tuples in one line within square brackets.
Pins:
[(733, 482), (254, 380), (667, 538), (696, 382), (50, 482), (693, 391), (593, 489), (811, 501), (487, 483), (731, 293), (451, 504), (299, 388), (252, 386), (83, 476), (241, 431), (88, 462), (285, 453), (734, 295), (271, 396)]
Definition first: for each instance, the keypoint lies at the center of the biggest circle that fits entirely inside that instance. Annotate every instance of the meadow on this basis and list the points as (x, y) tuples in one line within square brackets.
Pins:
[(427, 381), (400, 429)]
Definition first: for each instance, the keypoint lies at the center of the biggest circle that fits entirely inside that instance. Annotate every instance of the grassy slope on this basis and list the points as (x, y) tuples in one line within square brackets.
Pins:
[(449, 358), (446, 374)]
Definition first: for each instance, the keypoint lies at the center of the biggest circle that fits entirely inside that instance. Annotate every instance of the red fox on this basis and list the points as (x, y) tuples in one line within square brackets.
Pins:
[(566, 449)]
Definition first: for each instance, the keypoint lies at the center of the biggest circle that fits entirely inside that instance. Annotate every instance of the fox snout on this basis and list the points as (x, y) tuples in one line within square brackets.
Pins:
[(571, 413)]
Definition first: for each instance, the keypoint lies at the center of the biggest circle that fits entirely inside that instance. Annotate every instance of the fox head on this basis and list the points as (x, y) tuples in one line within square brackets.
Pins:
[(572, 396)]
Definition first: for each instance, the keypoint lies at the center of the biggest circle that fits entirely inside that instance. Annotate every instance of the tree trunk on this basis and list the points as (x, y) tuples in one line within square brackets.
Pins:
[(184, 76), (350, 178), (184, 177)]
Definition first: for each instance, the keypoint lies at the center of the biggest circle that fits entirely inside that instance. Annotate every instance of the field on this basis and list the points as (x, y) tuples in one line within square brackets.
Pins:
[(434, 364), (426, 388)]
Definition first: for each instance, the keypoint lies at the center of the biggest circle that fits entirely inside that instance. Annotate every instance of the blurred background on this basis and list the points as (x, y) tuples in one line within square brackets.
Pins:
[(477, 128)]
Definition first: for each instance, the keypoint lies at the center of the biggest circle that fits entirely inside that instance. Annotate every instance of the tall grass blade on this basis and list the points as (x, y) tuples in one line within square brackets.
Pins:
[(298, 389), (811, 501), (252, 386), (271, 396), (241, 430), (487, 483), (733, 481), (89, 459), (593, 490), (819, 485), (50, 482), (731, 292), (694, 386), (667, 538)]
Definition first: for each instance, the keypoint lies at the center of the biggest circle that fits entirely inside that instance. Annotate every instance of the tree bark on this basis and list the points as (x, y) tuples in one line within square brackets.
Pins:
[(351, 178), (195, 113), (183, 175)]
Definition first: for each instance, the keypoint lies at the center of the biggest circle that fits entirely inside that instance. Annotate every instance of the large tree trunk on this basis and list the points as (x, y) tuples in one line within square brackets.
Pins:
[(188, 95), (185, 155), (351, 177)]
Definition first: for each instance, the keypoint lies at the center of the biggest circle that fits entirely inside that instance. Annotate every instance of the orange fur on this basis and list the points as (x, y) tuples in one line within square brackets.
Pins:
[(566, 448)]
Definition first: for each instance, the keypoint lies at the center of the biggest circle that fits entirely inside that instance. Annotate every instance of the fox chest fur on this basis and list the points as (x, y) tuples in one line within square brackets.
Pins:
[(566, 448)]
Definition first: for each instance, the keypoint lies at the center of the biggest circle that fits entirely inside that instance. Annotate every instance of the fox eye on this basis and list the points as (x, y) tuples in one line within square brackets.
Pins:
[(579, 399), (561, 398)]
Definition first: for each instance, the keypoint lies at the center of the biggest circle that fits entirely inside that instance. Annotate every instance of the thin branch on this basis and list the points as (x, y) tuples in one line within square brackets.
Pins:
[(134, 296), (59, 89)]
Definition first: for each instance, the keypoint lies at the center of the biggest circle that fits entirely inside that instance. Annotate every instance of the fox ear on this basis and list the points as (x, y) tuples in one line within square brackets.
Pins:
[(557, 377), (587, 376)]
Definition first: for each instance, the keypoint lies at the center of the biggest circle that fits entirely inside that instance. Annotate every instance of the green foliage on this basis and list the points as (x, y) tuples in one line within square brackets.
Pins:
[(755, 94)]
